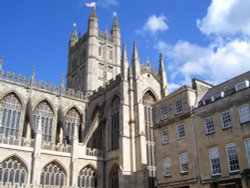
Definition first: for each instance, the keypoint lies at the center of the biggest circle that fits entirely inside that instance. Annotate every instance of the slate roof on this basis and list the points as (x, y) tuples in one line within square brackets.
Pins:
[(228, 87)]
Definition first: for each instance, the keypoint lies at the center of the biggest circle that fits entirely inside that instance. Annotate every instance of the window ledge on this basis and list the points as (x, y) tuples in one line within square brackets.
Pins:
[(227, 128), (180, 138), (234, 172), (245, 123), (216, 175), (167, 175), (184, 173), (210, 133), (164, 143)]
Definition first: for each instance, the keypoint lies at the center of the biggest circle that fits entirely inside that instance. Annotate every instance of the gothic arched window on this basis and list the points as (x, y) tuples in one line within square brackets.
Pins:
[(115, 105), (10, 114), (148, 100), (12, 171), (114, 177), (53, 174), (72, 121), (44, 111), (87, 178)]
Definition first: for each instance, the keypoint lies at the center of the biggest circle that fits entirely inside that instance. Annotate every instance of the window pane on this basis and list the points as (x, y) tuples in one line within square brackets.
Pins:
[(214, 161), (232, 157), (226, 120), (10, 109), (244, 113), (209, 125)]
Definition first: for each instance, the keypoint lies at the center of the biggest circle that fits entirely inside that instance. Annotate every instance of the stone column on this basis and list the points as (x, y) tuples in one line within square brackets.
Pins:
[(74, 157), (36, 157)]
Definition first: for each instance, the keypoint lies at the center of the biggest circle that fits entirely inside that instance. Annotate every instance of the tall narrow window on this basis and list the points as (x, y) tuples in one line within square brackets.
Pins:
[(148, 101), (72, 121), (10, 113), (13, 171), (244, 113), (183, 159), (164, 112), (115, 105), (165, 136), (114, 177), (226, 120), (44, 111), (87, 178), (209, 125), (178, 107), (53, 174), (247, 145), (167, 166), (214, 161), (232, 157), (180, 131)]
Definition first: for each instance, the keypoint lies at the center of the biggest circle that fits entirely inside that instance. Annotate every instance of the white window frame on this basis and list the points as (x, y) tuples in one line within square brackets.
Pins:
[(226, 120), (241, 85), (247, 147), (178, 131), (183, 161), (214, 155), (178, 107), (229, 146), (244, 114), (209, 124), (167, 166), (165, 136), (164, 112)]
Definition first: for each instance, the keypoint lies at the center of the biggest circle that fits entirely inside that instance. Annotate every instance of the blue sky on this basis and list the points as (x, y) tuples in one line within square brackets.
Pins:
[(206, 39)]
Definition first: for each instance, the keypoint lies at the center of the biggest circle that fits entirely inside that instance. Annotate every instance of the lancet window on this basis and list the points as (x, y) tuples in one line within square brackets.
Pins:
[(53, 175), (115, 105), (73, 121), (148, 101), (10, 114), (12, 171), (114, 177), (44, 111), (87, 178)]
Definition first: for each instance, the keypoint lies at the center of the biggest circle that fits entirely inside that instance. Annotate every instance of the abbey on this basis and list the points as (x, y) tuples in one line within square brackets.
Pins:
[(96, 131)]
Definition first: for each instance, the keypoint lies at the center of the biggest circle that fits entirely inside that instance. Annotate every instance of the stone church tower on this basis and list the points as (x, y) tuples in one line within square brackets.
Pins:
[(95, 133), (93, 58)]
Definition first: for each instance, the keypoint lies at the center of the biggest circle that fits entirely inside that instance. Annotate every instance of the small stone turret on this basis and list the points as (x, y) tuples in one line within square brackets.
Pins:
[(136, 62), (163, 77), (93, 23), (124, 63), (74, 37), (116, 36), (1, 64)]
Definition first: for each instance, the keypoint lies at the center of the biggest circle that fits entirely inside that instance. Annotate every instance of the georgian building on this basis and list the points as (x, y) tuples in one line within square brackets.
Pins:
[(204, 135), (96, 131)]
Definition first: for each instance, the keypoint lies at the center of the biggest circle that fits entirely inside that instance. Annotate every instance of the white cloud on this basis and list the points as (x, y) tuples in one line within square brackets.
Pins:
[(154, 25), (226, 17), (214, 63)]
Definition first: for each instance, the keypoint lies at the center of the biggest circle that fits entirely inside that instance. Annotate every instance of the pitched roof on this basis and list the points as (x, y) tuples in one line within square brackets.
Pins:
[(228, 87)]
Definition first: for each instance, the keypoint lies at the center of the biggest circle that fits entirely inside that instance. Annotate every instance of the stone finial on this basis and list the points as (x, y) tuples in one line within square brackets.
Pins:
[(74, 36), (147, 63), (162, 74), (124, 63), (39, 126), (75, 134), (1, 64), (62, 81), (33, 73)]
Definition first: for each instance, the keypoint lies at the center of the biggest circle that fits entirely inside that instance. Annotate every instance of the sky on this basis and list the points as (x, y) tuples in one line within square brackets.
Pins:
[(204, 39)]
